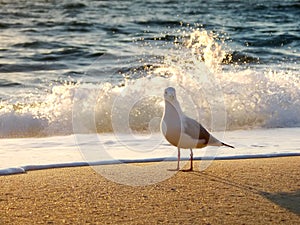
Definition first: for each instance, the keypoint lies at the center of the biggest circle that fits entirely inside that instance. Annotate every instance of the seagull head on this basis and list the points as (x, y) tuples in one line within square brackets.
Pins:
[(170, 94)]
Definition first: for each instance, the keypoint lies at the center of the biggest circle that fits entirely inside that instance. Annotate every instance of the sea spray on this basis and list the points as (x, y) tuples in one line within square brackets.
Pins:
[(244, 97)]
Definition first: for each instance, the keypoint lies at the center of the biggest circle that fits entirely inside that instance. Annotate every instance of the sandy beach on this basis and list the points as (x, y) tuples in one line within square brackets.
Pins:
[(251, 191)]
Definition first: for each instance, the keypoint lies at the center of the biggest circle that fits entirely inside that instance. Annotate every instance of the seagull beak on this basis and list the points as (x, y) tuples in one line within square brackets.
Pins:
[(170, 97)]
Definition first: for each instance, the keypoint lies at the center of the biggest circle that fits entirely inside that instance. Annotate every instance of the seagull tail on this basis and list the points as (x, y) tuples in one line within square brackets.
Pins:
[(230, 146)]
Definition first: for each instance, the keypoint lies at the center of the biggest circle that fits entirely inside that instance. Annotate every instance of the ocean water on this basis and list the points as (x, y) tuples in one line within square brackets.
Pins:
[(83, 75)]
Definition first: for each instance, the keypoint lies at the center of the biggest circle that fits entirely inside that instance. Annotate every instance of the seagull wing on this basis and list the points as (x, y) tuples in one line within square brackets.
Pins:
[(195, 130)]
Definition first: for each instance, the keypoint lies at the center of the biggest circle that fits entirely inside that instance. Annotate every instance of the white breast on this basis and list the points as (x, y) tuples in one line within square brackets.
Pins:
[(173, 129)]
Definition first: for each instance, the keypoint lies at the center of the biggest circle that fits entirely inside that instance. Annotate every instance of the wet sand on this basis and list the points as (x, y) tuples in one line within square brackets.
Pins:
[(250, 191)]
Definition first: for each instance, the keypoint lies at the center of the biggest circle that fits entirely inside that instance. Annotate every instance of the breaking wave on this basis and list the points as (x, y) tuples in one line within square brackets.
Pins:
[(219, 95)]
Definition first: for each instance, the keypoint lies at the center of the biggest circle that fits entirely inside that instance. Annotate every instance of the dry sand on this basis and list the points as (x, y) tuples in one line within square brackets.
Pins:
[(252, 191)]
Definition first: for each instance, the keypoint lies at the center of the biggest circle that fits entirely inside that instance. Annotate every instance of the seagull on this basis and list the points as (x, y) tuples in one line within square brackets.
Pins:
[(182, 131)]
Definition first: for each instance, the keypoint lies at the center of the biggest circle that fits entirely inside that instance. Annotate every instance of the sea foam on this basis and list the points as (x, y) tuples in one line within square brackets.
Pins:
[(25, 154), (221, 97)]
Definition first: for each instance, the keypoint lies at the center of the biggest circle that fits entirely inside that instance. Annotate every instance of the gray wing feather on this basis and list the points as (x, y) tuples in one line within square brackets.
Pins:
[(195, 129)]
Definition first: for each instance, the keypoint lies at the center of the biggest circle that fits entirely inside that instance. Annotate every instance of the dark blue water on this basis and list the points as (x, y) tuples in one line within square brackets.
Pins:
[(45, 43), (59, 38)]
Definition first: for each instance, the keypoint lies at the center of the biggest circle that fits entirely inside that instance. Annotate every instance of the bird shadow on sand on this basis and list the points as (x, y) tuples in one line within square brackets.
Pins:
[(287, 200), (181, 170)]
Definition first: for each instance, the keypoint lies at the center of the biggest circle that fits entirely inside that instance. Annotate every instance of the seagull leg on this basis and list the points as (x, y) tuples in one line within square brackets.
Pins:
[(191, 168), (178, 158)]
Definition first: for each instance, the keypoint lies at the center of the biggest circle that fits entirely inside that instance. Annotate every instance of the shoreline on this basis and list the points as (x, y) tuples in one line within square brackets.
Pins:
[(28, 168), (245, 191)]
